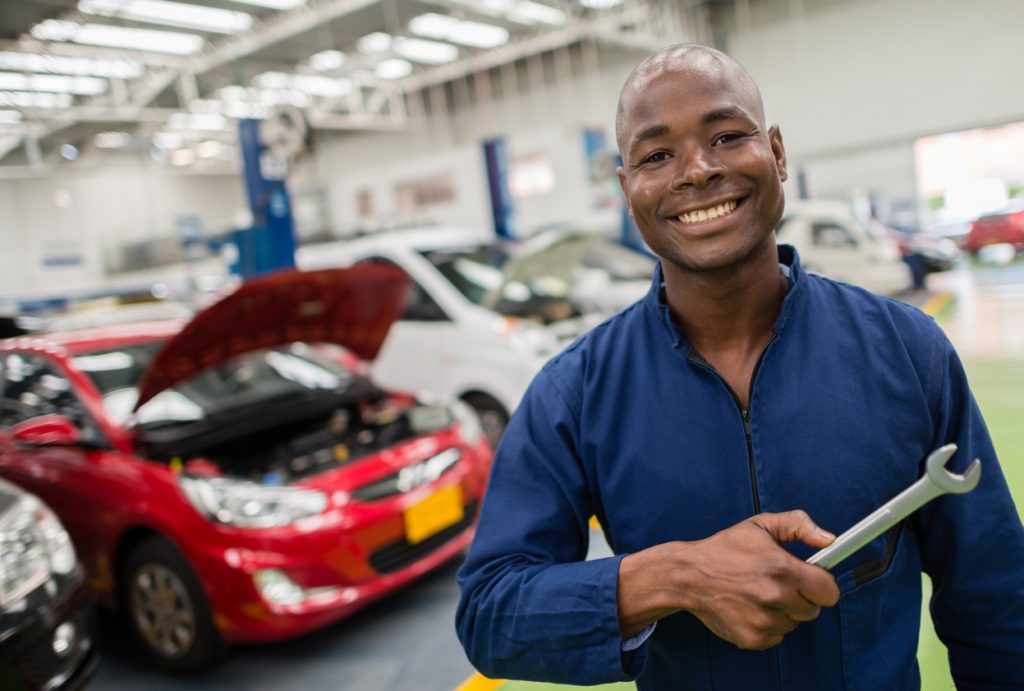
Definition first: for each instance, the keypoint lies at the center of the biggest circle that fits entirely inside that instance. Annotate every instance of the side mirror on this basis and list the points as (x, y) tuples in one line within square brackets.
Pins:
[(47, 430)]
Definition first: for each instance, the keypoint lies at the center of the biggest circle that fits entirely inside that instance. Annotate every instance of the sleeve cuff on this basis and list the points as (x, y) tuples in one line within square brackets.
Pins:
[(636, 640)]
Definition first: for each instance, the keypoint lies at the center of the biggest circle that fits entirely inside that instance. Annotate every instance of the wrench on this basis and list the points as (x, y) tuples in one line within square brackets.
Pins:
[(935, 482)]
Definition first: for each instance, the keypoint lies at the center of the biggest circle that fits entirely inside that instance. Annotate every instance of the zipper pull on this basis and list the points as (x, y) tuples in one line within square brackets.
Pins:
[(746, 421)]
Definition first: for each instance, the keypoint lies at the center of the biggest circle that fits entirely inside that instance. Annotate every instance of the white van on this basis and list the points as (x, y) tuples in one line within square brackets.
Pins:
[(833, 242)]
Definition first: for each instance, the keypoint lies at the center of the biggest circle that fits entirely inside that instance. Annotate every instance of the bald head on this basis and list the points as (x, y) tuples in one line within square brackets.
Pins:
[(688, 58)]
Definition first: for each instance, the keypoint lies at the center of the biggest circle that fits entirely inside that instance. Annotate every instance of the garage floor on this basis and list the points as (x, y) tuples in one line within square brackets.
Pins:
[(408, 640)]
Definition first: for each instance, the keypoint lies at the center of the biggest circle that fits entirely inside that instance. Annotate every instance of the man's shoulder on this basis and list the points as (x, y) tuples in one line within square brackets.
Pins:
[(864, 306), (602, 338)]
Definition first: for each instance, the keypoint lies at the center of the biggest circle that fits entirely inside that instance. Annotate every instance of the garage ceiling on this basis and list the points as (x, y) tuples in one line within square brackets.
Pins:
[(153, 75)]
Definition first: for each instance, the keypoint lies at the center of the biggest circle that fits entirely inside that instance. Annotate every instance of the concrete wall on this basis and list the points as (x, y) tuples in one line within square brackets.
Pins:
[(853, 83), (56, 230)]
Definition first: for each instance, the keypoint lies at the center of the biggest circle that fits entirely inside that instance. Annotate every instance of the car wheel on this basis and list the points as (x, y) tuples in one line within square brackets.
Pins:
[(493, 417), (167, 608)]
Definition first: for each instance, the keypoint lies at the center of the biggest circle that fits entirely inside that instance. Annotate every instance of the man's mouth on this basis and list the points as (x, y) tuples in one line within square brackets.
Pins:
[(710, 213)]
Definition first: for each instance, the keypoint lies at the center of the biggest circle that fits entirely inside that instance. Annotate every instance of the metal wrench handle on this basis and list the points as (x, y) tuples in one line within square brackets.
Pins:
[(935, 482)]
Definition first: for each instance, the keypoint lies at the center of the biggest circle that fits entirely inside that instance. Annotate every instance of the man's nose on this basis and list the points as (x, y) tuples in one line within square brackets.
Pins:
[(697, 166)]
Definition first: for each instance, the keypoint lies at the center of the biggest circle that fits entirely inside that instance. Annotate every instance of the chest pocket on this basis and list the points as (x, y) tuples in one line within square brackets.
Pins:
[(880, 613)]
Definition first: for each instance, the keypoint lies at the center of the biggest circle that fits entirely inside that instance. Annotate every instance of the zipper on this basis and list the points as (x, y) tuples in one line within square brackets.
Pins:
[(699, 360), (745, 413)]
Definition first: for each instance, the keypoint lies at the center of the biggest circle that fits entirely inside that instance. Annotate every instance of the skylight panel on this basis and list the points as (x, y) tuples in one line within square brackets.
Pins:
[(180, 14), (118, 37), (465, 32)]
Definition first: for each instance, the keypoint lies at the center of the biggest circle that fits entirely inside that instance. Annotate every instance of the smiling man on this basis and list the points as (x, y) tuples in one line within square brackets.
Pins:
[(708, 423)]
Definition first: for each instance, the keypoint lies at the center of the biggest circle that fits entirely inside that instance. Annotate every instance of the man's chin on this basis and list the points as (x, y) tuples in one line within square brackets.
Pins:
[(718, 260)]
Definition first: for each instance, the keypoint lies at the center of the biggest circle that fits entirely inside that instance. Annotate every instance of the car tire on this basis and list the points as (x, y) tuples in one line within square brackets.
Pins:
[(167, 609), (493, 418)]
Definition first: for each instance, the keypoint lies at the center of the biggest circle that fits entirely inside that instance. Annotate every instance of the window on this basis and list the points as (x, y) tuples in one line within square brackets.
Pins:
[(829, 234), (416, 194), (33, 386), (419, 306)]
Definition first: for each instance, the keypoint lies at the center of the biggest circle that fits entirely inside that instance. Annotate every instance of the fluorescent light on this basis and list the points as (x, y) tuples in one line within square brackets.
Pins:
[(168, 140), (310, 84), (476, 34), (10, 117), (327, 60), (208, 149), (395, 68), (431, 52), (29, 99), (69, 152), (53, 83), (600, 4), (197, 121), (118, 37), (182, 157), (529, 12), (180, 14), (377, 42), (54, 64), (273, 4), (112, 140)]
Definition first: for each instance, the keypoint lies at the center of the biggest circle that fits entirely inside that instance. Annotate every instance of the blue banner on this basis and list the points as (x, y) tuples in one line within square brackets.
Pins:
[(502, 205), (270, 243)]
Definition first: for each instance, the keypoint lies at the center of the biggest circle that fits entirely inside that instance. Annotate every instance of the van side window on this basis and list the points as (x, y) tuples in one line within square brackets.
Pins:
[(419, 306), (33, 386), (827, 234)]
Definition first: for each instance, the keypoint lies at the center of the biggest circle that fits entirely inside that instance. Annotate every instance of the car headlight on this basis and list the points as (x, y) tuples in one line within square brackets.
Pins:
[(33, 545), (469, 423), (250, 505)]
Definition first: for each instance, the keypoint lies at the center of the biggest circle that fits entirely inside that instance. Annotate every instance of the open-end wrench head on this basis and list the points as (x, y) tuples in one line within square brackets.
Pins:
[(954, 483)]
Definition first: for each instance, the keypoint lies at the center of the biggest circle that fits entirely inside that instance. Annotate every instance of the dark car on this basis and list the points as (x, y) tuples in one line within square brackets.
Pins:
[(46, 619), (1005, 226)]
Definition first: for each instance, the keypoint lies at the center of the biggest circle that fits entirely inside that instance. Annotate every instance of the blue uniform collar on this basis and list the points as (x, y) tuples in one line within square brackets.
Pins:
[(789, 265)]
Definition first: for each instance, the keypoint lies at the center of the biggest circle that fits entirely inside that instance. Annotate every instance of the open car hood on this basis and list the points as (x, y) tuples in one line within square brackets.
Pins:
[(352, 307)]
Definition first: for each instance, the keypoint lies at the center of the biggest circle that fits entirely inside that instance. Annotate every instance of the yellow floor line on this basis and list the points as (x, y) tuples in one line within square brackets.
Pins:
[(479, 682), (936, 303)]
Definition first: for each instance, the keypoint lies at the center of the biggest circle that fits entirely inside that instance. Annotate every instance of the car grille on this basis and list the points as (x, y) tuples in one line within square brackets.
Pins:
[(42, 666), (400, 554), (409, 477)]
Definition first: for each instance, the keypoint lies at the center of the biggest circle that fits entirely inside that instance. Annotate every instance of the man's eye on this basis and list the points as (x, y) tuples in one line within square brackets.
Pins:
[(727, 137), (656, 157)]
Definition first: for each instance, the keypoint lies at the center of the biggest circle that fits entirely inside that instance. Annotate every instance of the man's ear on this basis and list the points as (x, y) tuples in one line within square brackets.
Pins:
[(775, 137), (621, 172)]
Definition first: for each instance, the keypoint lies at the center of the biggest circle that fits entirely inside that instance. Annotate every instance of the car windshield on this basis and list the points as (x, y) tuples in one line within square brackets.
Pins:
[(544, 283), (239, 383)]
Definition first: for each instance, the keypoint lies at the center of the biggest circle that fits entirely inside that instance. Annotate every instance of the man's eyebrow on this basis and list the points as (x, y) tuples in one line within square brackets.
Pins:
[(650, 133), (727, 113)]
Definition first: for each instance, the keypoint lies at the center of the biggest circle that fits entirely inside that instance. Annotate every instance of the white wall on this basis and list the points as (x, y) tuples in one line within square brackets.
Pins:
[(544, 109), (82, 210), (852, 83)]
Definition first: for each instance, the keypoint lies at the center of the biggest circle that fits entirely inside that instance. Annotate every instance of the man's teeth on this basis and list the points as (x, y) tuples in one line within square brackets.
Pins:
[(708, 214)]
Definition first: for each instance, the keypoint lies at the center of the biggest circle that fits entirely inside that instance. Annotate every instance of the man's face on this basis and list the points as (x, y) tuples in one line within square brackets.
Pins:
[(702, 177)]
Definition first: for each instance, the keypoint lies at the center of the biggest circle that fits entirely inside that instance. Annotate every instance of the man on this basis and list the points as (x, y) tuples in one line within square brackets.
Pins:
[(706, 425)]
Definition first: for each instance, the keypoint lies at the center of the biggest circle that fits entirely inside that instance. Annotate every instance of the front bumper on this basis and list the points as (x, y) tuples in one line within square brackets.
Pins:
[(29, 658)]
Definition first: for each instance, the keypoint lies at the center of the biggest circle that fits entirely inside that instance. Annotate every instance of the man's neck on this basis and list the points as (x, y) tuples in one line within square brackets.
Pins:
[(732, 310)]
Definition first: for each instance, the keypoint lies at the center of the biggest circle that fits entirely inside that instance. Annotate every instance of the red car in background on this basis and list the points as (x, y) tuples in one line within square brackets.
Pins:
[(237, 479), (1003, 226)]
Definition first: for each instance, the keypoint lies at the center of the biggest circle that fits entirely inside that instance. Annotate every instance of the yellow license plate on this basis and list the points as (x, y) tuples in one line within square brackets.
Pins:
[(432, 515)]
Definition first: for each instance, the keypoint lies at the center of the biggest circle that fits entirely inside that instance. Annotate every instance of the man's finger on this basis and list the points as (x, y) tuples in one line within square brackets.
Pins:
[(793, 526)]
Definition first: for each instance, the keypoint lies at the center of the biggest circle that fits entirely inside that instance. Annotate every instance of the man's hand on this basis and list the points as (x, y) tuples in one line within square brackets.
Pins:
[(739, 582)]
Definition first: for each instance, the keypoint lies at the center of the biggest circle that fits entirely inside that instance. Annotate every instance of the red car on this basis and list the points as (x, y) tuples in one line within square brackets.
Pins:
[(238, 478), (1003, 226)]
